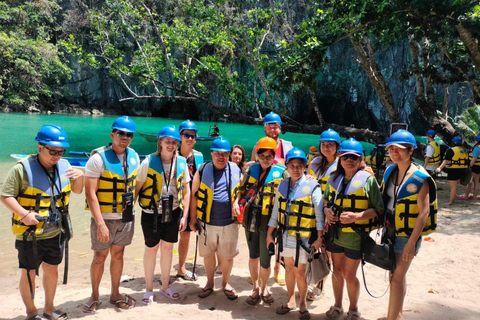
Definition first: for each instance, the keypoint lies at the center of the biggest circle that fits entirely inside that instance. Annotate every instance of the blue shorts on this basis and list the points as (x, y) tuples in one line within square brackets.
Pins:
[(349, 253), (400, 243)]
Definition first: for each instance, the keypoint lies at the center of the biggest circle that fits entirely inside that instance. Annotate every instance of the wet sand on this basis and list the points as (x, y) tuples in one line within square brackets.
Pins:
[(443, 279)]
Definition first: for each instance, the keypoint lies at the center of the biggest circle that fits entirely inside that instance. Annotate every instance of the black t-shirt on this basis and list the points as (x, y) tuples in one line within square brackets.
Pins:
[(449, 154)]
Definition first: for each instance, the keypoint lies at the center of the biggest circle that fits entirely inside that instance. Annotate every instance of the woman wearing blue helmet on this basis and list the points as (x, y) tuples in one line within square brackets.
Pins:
[(475, 165), (410, 197), (455, 163)]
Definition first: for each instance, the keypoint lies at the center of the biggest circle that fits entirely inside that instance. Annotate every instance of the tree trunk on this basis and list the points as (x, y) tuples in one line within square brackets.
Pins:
[(471, 43), (313, 96), (363, 48)]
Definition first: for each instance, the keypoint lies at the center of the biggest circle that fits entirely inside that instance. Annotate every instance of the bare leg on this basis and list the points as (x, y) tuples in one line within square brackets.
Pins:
[(476, 178), (338, 281), (227, 265), (25, 292), (468, 189), (209, 262), (149, 263), (290, 281), (166, 249), (398, 289), (301, 285), (116, 269), (50, 279), (183, 251), (264, 275), (453, 190), (218, 269), (253, 265), (96, 273), (353, 285)]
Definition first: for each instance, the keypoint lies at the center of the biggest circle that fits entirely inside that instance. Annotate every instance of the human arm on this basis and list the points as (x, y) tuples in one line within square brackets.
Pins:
[(26, 216), (193, 201), (319, 217), (186, 205), (77, 179), (273, 222)]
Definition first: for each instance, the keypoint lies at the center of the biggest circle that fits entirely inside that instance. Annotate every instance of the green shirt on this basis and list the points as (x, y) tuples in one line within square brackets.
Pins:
[(16, 183), (352, 240)]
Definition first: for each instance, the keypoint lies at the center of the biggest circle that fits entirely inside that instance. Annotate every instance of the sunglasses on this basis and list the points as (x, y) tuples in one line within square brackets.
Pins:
[(353, 157), (55, 152), (268, 158), (189, 136), (121, 134)]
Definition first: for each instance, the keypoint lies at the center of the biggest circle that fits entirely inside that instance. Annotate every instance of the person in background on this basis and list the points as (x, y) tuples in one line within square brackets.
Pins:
[(163, 189), (29, 188), (410, 197), (111, 173), (298, 217), (214, 188), (260, 184), (352, 204), (432, 154), (312, 153), (188, 134), (475, 165), (455, 164), (238, 157)]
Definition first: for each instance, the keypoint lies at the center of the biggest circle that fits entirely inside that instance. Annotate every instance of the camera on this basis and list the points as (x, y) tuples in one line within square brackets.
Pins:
[(271, 249), (167, 208), (127, 203)]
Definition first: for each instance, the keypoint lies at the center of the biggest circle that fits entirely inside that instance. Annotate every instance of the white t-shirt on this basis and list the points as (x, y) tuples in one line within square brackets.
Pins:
[(94, 169), (172, 187), (429, 153)]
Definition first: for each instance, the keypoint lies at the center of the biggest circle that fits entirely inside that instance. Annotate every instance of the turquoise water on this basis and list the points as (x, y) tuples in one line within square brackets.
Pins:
[(86, 133)]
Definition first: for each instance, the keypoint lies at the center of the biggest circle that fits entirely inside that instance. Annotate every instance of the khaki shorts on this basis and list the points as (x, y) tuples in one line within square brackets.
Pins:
[(223, 240), (292, 253), (121, 234)]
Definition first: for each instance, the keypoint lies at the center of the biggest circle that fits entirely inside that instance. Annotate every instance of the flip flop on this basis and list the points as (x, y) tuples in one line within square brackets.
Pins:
[(205, 293), (283, 309), (57, 314), (233, 294), (170, 293), (353, 315), (462, 198), (148, 298), (189, 276), (92, 307), (268, 299), (280, 278), (334, 313), (253, 300), (35, 317), (304, 315), (124, 304)]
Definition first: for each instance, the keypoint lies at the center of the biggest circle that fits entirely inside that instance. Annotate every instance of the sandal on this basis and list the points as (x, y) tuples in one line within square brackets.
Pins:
[(304, 315), (280, 278), (314, 293), (268, 299), (148, 298), (57, 314), (189, 276), (170, 293), (283, 309), (334, 313), (35, 317), (231, 294), (353, 315), (205, 293), (92, 307), (253, 300), (462, 198), (124, 304)]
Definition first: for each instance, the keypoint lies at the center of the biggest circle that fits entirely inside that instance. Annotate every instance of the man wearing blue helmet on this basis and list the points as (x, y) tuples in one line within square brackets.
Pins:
[(432, 154), (110, 190), (29, 189), (214, 188), (272, 124)]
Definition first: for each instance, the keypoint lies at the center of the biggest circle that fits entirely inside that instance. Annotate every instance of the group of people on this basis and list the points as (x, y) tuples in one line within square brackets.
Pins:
[(287, 210)]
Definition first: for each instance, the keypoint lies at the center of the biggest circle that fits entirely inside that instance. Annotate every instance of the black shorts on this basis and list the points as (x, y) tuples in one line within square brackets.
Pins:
[(48, 251), (455, 174), (349, 253), (165, 231), (476, 169)]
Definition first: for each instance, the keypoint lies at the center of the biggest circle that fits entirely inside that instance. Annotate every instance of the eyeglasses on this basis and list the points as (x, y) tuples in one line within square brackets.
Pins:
[(55, 152), (170, 141), (221, 154), (265, 158), (121, 134), (189, 136), (353, 157), (295, 168)]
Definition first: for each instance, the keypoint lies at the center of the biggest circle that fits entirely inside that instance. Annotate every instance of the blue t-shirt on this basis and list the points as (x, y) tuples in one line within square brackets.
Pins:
[(221, 213), (476, 152)]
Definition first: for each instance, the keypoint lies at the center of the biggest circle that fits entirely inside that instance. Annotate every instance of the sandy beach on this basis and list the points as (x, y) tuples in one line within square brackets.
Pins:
[(442, 282)]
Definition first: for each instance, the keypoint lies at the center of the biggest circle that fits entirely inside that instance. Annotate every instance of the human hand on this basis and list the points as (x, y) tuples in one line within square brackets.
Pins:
[(103, 235), (193, 224), (183, 224), (30, 219), (74, 173), (348, 217), (408, 251), (329, 215), (317, 244), (235, 209), (270, 240)]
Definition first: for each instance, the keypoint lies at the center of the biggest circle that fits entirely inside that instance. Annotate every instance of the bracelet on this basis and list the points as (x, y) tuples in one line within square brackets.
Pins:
[(26, 215)]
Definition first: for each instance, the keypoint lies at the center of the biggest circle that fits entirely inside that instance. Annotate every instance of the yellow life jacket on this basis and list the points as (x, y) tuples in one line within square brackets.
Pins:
[(470, 157), (436, 158), (198, 158), (267, 190), (353, 199), (406, 209), (459, 160), (371, 161), (388, 160), (40, 191), (207, 187), (322, 178), (112, 181), (297, 215), (149, 195)]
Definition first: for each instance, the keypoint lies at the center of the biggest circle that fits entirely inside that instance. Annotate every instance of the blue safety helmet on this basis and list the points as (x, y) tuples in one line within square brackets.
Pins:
[(457, 140), (124, 123), (272, 117), (330, 135), (187, 125), (169, 131), (402, 137), (431, 133), (221, 144), (477, 138), (52, 135), (351, 146), (296, 153)]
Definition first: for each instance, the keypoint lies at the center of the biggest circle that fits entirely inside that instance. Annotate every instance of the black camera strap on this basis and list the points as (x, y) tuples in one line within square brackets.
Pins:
[(125, 170), (167, 181)]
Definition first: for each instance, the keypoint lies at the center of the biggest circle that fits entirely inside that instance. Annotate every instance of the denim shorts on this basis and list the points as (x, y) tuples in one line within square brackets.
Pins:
[(400, 243), (349, 253)]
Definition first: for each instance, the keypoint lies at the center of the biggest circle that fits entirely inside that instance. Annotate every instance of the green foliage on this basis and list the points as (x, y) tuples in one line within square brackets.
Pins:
[(468, 123)]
